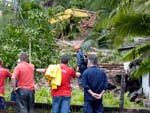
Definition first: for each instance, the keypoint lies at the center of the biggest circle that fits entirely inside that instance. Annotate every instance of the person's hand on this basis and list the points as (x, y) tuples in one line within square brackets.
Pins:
[(97, 96), (78, 74), (15, 90), (40, 70)]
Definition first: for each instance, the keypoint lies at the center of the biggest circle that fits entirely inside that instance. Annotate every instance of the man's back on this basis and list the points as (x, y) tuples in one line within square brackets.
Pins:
[(64, 89), (94, 79), (24, 73)]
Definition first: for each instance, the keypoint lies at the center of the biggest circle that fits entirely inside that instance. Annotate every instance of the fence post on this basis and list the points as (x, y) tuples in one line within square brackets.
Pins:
[(122, 90)]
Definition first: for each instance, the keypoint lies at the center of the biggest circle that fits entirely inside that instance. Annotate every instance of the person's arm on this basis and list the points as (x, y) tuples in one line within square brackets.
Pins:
[(74, 74), (13, 79), (78, 74), (77, 69), (84, 81), (13, 83), (8, 73), (104, 88), (105, 82), (79, 59), (41, 70), (99, 96)]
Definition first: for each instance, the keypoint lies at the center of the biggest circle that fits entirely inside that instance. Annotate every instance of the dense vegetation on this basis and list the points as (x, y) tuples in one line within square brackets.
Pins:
[(28, 27)]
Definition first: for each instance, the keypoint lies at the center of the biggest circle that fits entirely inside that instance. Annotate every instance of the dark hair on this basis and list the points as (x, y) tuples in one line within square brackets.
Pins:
[(24, 57), (64, 59), (93, 59), (1, 61)]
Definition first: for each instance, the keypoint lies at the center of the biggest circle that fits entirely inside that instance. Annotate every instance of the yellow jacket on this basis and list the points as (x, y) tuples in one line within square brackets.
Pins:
[(53, 74)]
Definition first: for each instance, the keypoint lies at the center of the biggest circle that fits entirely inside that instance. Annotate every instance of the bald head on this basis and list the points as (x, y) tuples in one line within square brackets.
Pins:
[(77, 47)]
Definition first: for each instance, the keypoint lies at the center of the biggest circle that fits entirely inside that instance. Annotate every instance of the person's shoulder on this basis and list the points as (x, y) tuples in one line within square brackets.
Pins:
[(4, 69), (32, 65), (87, 70), (71, 69), (21, 65), (18, 66), (80, 52), (67, 67), (102, 71)]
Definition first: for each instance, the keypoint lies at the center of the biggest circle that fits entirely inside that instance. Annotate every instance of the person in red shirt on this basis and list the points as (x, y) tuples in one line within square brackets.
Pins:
[(62, 95), (24, 74), (3, 74)]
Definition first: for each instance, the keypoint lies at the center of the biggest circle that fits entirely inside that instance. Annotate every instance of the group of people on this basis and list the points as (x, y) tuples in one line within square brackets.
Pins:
[(23, 75), (91, 78)]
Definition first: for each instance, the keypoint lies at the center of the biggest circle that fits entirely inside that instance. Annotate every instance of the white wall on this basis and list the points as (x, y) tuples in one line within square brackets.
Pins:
[(145, 85)]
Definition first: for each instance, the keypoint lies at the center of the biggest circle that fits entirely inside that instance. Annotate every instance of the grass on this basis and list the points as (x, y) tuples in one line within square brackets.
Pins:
[(43, 96), (77, 98)]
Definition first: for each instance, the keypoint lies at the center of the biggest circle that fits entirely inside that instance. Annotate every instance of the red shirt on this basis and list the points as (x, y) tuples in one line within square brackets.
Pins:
[(3, 74), (64, 89), (24, 73)]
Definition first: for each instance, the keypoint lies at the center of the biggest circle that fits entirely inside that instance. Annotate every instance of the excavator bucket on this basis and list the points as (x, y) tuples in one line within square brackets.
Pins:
[(59, 18), (70, 13), (76, 13)]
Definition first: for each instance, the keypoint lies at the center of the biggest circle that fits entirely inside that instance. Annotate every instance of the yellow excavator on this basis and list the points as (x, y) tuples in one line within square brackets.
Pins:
[(68, 13)]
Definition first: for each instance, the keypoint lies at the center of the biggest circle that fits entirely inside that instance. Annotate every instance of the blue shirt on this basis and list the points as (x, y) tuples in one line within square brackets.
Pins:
[(80, 61), (95, 79)]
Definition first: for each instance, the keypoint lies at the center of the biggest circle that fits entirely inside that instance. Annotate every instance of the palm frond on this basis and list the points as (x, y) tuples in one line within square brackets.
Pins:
[(89, 43), (137, 52), (132, 23), (103, 4), (127, 20), (143, 69)]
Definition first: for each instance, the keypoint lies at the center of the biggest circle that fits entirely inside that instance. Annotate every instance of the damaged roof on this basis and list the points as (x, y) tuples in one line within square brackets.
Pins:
[(138, 41)]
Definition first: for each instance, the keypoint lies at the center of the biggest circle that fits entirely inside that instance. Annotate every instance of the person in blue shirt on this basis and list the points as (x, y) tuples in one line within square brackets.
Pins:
[(81, 62), (94, 82)]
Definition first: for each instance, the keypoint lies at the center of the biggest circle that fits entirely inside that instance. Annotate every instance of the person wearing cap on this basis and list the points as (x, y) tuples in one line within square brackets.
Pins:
[(81, 62), (4, 73)]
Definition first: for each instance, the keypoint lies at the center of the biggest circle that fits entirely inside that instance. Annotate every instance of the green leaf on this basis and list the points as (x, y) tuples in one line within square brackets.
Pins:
[(143, 68), (137, 52)]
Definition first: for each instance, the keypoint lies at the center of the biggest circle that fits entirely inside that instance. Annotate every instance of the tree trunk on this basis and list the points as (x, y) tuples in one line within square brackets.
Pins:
[(17, 6), (4, 4), (122, 90)]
